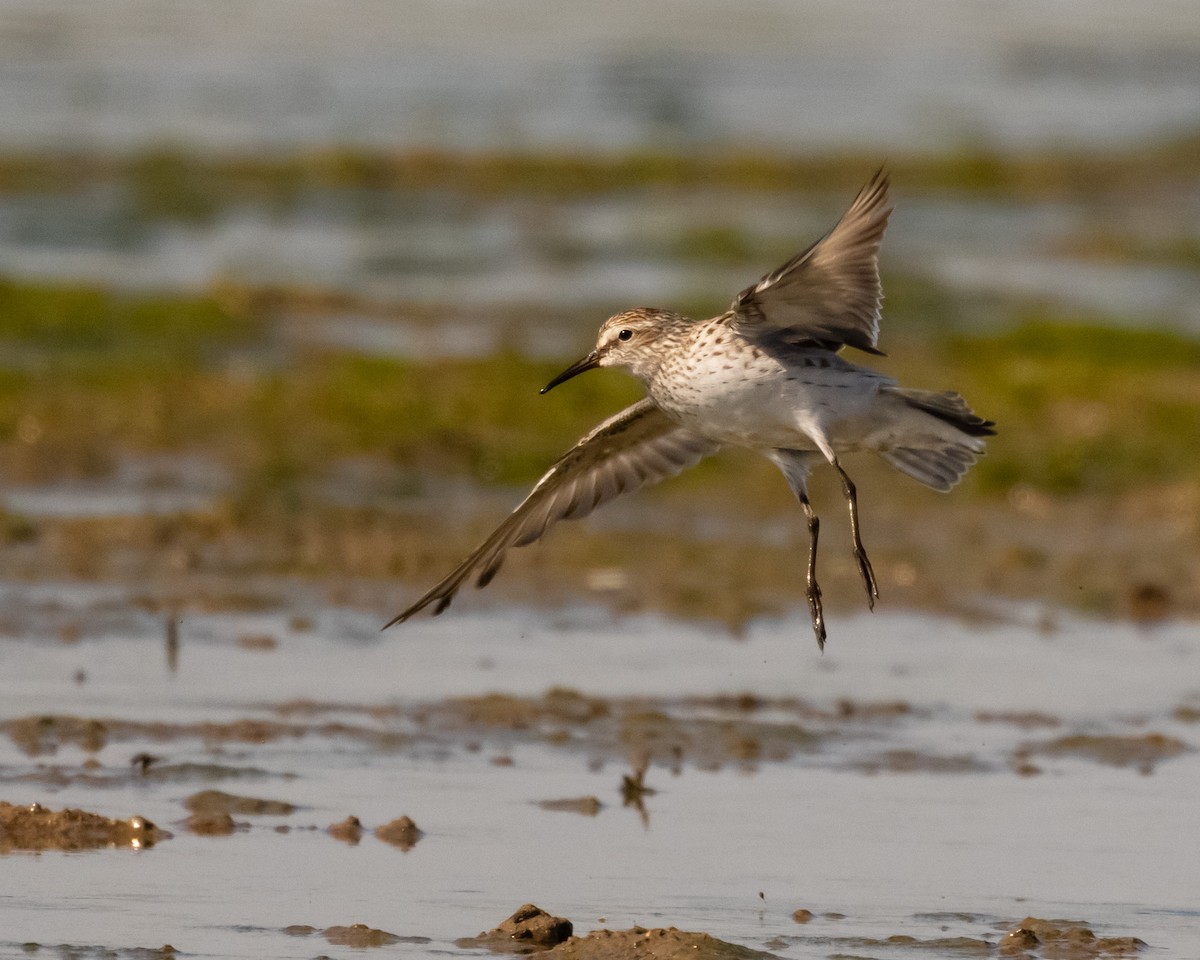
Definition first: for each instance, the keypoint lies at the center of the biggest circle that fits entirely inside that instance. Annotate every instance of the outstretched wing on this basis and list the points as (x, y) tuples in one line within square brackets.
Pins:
[(638, 446), (829, 295)]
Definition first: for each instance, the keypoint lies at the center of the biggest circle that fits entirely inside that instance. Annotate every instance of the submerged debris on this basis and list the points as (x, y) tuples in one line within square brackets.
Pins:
[(587, 806), (217, 802)]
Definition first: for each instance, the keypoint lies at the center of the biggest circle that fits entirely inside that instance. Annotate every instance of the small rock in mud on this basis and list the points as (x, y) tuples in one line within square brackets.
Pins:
[(216, 802), (33, 827), (402, 833), (530, 927), (348, 831), (359, 935), (802, 915), (587, 806), (1067, 940)]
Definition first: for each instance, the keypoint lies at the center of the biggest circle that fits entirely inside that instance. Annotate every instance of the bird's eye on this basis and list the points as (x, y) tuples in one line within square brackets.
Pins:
[(625, 335)]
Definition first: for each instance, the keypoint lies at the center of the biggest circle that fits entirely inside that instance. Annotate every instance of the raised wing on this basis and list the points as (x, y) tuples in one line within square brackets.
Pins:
[(640, 445), (828, 295)]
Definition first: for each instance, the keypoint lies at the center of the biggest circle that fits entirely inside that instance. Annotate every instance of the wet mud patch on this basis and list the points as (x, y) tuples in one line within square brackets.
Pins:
[(1142, 751), (77, 951), (91, 773), (708, 733), (212, 811), (937, 946), (356, 935), (45, 734), (1028, 939), (210, 802), (34, 828), (659, 944), (39, 735), (918, 761)]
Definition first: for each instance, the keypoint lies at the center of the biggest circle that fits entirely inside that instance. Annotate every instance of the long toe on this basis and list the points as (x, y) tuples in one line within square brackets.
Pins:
[(816, 613), (868, 578), (819, 629)]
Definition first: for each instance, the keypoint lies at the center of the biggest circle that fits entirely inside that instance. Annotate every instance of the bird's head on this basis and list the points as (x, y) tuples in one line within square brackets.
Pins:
[(633, 339)]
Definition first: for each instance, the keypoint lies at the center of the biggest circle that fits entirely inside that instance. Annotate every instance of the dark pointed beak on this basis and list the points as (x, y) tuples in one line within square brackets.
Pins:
[(574, 370)]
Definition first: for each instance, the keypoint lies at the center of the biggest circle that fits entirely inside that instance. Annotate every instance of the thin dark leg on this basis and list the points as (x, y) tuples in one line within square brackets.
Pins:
[(860, 553), (813, 589)]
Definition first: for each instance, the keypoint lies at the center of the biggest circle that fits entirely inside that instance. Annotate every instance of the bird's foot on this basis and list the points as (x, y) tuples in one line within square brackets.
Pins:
[(868, 577), (813, 594)]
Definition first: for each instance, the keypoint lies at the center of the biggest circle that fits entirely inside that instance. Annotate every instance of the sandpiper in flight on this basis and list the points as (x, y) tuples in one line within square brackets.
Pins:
[(766, 374)]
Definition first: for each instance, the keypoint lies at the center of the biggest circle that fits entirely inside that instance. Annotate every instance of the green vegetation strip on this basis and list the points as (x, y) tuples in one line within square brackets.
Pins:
[(86, 375), (193, 186)]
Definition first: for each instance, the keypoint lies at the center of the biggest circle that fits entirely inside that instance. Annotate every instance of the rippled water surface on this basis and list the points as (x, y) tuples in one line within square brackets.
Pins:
[(921, 778)]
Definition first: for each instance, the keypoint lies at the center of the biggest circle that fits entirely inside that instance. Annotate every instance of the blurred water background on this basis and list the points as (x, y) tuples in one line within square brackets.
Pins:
[(169, 85), (279, 280), (535, 75)]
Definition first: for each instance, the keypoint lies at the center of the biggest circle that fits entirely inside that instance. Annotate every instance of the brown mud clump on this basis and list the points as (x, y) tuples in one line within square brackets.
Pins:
[(359, 935), (33, 827), (401, 832), (1064, 940), (531, 929), (348, 831)]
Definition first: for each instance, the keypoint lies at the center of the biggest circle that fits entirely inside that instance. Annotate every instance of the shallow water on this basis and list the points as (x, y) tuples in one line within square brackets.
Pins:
[(884, 785), (531, 74), (596, 253)]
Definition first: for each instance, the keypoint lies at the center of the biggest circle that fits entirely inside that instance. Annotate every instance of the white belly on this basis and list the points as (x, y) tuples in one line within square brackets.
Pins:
[(762, 403)]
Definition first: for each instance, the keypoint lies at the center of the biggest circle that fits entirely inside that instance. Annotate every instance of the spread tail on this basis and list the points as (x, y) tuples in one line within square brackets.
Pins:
[(935, 437)]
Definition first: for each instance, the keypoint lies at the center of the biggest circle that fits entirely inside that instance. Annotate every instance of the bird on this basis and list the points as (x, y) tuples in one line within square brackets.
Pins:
[(767, 374)]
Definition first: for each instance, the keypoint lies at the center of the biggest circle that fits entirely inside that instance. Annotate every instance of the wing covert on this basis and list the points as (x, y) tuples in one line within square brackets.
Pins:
[(829, 294)]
